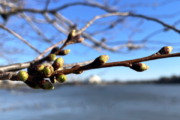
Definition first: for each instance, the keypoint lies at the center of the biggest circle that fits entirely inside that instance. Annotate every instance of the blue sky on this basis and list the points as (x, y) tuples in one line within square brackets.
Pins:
[(80, 53)]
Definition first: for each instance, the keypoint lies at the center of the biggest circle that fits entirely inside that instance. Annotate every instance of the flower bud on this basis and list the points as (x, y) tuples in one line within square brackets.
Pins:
[(77, 66), (51, 57), (64, 52), (55, 49), (100, 60), (165, 50), (61, 78), (32, 84), (139, 67), (48, 71), (39, 68), (58, 63), (80, 40), (71, 35), (23, 75), (73, 32), (46, 85)]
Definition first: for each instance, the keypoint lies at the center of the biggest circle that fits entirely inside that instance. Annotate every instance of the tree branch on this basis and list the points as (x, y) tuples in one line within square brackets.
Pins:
[(19, 37)]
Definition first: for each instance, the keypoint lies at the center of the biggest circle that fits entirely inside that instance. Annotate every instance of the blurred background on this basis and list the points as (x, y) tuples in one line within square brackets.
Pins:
[(109, 93)]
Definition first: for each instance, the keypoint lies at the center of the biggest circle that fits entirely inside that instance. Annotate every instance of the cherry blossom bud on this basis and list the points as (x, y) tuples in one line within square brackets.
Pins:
[(58, 63), (61, 78), (165, 50), (73, 32), (139, 67), (46, 85), (55, 49), (23, 75), (100, 60), (51, 57), (64, 52), (80, 40), (32, 84), (39, 68), (48, 71), (71, 35)]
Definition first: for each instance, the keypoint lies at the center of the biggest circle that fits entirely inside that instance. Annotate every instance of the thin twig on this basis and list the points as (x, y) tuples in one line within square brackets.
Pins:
[(39, 32), (126, 63), (49, 48), (19, 37)]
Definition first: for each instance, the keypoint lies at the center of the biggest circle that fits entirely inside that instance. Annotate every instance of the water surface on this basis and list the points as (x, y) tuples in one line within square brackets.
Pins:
[(91, 102)]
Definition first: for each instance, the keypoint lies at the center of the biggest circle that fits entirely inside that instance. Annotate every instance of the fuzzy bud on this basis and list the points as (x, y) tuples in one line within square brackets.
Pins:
[(64, 52), (39, 68), (100, 60), (80, 40), (61, 78), (71, 35), (51, 57), (23, 75), (48, 71), (32, 84), (139, 67), (55, 49), (165, 50), (77, 66), (46, 85), (58, 63)]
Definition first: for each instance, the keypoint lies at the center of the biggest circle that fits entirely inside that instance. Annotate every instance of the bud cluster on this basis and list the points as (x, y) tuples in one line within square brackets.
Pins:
[(34, 78)]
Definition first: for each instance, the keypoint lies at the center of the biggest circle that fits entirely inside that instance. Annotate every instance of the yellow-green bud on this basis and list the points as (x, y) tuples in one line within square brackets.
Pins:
[(80, 40), (73, 32), (51, 57), (165, 50), (23, 75), (103, 59), (48, 71), (32, 84), (40, 68), (100, 60), (61, 78), (67, 51), (55, 49), (139, 67), (46, 85), (58, 63), (64, 52)]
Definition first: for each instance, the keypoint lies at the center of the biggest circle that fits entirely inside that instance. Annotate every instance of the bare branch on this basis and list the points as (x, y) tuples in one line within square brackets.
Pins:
[(19, 37), (80, 63), (126, 63), (8, 76), (47, 3), (50, 48), (28, 19)]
